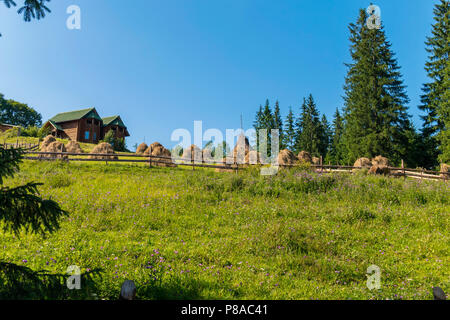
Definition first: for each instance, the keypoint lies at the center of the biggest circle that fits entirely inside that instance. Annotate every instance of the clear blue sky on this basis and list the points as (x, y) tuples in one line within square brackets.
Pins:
[(161, 65)]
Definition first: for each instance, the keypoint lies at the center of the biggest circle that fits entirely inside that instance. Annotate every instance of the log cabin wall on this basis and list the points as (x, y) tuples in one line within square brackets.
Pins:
[(119, 132), (89, 130)]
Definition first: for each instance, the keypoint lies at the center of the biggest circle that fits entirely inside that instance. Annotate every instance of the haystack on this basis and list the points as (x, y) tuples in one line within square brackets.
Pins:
[(379, 170), (193, 153), (207, 155), (380, 165), (255, 157), (159, 151), (55, 146), (47, 140), (445, 168), (241, 148), (141, 148), (380, 161), (103, 148), (286, 158), (363, 162), (149, 150), (304, 157), (73, 147)]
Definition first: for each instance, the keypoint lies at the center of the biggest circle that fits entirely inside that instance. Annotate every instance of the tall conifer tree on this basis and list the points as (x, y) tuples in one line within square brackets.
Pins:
[(375, 112), (435, 102), (278, 124), (289, 131), (335, 148)]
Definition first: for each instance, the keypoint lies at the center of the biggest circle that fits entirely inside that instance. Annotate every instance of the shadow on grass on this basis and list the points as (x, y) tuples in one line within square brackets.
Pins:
[(22, 283)]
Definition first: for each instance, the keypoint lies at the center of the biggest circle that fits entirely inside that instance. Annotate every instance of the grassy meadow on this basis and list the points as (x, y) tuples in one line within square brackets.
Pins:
[(180, 233)]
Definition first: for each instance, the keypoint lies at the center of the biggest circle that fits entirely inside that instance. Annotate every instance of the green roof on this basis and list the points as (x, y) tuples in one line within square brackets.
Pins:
[(76, 115), (114, 120), (53, 123)]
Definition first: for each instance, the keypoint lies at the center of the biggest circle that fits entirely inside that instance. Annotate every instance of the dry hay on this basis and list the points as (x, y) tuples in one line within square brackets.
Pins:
[(192, 154), (55, 146), (379, 170), (380, 161), (316, 161), (73, 147), (241, 149), (141, 148), (445, 168), (207, 155), (287, 157), (363, 162), (149, 150), (160, 151), (380, 165), (304, 157), (47, 140), (255, 157), (103, 148)]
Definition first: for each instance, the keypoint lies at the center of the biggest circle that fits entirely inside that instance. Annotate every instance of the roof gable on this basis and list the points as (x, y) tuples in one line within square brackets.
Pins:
[(76, 115), (114, 120)]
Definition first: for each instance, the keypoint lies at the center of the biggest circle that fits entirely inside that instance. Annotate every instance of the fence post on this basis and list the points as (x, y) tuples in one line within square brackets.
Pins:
[(321, 164), (403, 167), (150, 156)]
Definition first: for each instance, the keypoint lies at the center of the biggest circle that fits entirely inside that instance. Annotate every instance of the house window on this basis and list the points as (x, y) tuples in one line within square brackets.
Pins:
[(89, 121), (121, 129), (96, 122), (86, 135), (95, 136)]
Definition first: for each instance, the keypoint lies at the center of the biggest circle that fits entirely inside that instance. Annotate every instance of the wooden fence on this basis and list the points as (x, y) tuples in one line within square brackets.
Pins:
[(150, 160), (20, 144)]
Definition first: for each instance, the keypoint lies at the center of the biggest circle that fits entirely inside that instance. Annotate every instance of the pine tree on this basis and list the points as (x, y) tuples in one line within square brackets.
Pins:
[(31, 9), (376, 119), (444, 113), (434, 101), (335, 148), (325, 136), (22, 209), (267, 122), (289, 131), (309, 138), (257, 123), (298, 128), (278, 124)]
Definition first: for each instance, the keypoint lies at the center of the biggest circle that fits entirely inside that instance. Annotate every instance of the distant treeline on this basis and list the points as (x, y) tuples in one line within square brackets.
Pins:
[(374, 119)]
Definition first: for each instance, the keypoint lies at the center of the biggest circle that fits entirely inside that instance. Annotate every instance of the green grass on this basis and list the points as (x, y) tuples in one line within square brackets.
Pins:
[(199, 234), (86, 147)]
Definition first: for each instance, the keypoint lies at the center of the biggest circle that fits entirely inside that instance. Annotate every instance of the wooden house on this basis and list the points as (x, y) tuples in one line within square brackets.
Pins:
[(85, 126)]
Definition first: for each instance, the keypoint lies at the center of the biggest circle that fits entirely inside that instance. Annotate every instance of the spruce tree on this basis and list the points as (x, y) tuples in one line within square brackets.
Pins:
[(289, 131), (257, 123), (375, 112), (23, 210), (31, 9), (435, 98), (325, 136), (309, 138), (298, 128), (335, 147), (267, 122), (278, 124)]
